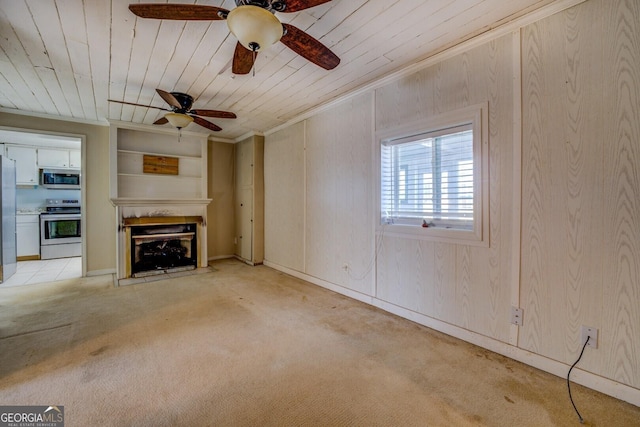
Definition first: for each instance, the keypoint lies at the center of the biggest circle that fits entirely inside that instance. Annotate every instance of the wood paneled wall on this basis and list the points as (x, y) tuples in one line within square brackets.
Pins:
[(581, 186), (338, 231), (570, 84), (284, 184), (463, 285)]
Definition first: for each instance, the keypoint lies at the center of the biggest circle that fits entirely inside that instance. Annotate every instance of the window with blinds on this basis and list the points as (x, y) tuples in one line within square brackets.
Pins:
[(427, 179), (433, 177)]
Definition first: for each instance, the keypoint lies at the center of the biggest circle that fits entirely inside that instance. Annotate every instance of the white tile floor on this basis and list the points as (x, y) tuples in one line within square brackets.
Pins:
[(31, 272)]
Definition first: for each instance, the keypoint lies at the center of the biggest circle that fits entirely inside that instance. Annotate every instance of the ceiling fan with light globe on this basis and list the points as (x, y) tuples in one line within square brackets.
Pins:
[(254, 24), (181, 114)]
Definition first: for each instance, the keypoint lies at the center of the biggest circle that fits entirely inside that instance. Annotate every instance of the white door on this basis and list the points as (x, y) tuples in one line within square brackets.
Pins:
[(245, 207)]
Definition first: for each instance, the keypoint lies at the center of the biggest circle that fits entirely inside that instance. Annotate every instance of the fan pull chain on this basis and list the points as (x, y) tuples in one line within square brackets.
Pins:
[(254, 63)]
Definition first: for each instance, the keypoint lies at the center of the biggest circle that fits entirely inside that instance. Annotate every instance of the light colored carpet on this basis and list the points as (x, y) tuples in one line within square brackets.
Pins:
[(249, 346)]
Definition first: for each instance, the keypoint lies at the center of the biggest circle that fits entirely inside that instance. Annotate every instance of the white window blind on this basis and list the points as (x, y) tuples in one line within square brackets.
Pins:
[(428, 179)]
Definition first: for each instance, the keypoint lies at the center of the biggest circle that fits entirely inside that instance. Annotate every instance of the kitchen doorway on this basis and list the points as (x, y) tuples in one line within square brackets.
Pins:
[(48, 178)]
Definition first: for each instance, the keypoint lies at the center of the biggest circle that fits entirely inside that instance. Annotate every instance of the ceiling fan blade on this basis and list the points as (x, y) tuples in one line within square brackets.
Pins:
[(309, 48), (214, 113), (189, 12), (170, 99), (137, 105), (243, 60), (206, 124), (161, 121), (298, 5)]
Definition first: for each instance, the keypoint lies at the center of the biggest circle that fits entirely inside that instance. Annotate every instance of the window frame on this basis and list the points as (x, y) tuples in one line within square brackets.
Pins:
[(477, 117)]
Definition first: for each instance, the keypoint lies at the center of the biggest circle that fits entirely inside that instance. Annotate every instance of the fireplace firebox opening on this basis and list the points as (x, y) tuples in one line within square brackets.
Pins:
[(164, 247)]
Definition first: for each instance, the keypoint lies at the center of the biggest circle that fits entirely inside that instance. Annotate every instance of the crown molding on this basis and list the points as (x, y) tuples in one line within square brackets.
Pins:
[(155, 129), (53, 117), (507, 26), (248, 135), (223, 140)]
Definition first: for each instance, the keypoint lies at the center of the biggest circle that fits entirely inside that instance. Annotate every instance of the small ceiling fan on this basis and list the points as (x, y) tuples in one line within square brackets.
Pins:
[(255, 25), (180, 114)]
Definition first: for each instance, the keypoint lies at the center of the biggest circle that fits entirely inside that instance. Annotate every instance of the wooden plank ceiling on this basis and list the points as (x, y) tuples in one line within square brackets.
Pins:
[(68, 57)]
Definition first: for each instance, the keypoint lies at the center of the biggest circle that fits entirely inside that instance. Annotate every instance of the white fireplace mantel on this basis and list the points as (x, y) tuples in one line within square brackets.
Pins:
[(139, 208), (160, 202)]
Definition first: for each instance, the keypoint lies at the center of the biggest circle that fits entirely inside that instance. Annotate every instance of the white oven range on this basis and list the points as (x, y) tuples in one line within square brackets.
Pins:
[(60, 230)]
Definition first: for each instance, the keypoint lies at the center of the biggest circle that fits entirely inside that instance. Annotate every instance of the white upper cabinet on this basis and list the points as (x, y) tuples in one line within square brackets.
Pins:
[(26, 164), (29, 159), (75, 160), (58, 158)]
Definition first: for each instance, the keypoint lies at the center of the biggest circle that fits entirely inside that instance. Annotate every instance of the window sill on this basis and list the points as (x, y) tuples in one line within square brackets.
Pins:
[(436, 234)]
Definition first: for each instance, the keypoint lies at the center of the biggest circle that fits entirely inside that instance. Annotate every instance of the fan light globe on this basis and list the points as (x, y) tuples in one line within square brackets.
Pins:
[(178, 120), (254, 27)]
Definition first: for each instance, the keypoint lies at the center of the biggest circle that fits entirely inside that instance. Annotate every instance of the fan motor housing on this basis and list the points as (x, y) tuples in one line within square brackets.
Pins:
[(270, 5), (185, 100)]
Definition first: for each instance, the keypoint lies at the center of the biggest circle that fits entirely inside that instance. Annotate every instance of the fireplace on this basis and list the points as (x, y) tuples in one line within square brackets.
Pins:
[(154, 199), (160, 238), (163, 248)]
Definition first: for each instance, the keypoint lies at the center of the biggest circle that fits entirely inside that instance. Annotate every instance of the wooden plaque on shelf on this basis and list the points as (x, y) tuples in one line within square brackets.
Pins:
[(160, 164)]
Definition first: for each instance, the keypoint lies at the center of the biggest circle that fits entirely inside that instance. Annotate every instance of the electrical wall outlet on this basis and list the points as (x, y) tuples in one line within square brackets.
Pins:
[(516, 316), (592, 333)]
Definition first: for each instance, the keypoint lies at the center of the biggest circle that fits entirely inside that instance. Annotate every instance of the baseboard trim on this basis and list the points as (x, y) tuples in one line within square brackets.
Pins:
[(219, 257), (101, 272), (585, 378), (247, 261), (327, 285), (28, 258)]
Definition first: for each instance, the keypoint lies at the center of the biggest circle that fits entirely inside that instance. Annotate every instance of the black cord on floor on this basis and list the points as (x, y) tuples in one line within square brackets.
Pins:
[(569, 383)]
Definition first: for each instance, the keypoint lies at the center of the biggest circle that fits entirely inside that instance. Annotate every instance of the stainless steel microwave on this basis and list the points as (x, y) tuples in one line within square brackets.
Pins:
[(60, 178)]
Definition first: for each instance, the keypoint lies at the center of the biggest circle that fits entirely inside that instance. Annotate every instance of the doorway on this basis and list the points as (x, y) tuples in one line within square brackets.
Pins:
[(34, 153)]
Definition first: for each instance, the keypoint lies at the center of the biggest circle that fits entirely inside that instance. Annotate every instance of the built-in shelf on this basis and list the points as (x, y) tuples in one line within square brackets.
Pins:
[(157, 154), (129, 180), (131, 163), (160, 176)]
